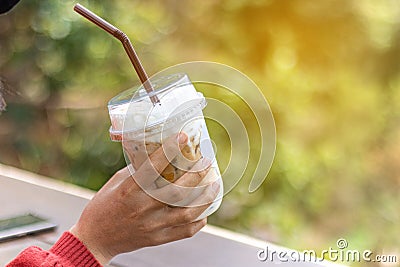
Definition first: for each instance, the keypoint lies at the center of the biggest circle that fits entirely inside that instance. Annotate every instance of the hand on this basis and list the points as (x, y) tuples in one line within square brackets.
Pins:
[(122, 217)]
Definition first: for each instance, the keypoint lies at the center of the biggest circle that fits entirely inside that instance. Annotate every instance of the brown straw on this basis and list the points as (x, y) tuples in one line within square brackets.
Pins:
[(111, 29)]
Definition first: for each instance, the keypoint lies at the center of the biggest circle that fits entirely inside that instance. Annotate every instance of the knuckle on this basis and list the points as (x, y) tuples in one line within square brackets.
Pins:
[(192, 230), (155, 239), (214, 194), (210, 196), (187, 215), (203, 173), (198, 176), (207, 199), (175, 193)]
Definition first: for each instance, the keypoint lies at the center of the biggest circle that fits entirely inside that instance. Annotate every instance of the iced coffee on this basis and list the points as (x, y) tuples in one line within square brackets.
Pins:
[(142, 127)]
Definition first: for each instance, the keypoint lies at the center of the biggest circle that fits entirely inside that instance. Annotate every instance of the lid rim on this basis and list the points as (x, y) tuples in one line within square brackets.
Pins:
[(119, 134), (132, 93)]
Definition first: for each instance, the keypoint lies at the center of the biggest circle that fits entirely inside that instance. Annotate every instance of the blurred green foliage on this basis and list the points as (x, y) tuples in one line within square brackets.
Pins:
[(329, 69)]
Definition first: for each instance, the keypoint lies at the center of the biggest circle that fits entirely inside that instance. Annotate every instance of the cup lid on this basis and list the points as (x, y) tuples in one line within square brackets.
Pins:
[(132, 110), (139, 93)]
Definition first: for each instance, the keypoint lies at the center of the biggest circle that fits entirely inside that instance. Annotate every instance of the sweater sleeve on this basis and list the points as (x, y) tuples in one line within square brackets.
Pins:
[(68, 251)]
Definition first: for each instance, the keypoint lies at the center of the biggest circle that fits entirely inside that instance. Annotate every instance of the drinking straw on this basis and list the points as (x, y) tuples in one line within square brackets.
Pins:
[(117, 33)]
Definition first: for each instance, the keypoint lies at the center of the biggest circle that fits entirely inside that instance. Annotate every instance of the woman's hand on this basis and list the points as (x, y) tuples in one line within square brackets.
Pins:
[(122, 217)]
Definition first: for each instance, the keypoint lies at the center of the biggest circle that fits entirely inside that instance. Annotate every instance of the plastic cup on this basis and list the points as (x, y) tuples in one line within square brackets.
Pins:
[(142, 127)]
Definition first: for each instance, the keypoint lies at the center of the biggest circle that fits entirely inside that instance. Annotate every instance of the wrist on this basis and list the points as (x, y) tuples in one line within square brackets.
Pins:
[(68, 247), (101, 256)]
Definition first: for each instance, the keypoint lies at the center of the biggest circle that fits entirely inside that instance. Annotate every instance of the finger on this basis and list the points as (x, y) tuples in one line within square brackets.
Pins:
[(184, 190), (175, 233), (208, 197), (195, 175), (184, 215), (151, 169)]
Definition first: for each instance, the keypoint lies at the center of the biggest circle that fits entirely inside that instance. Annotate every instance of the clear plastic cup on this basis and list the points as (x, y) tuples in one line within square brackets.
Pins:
[(142, 128)]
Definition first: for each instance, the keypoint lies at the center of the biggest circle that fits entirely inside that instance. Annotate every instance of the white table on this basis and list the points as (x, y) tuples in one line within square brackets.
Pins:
[(62, 203)]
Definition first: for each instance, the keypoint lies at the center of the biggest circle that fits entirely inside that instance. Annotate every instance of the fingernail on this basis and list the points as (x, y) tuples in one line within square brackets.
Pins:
[(182, 138), (215, 187)]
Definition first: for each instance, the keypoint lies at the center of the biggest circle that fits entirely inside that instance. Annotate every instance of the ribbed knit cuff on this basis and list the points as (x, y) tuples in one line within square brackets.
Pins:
[(72, 249)]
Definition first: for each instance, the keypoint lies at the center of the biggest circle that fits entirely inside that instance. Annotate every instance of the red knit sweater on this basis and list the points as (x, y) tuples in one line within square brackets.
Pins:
[(68, 251)]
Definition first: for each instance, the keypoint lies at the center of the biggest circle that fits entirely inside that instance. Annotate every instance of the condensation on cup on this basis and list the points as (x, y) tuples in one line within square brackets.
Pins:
[(142, 128)]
